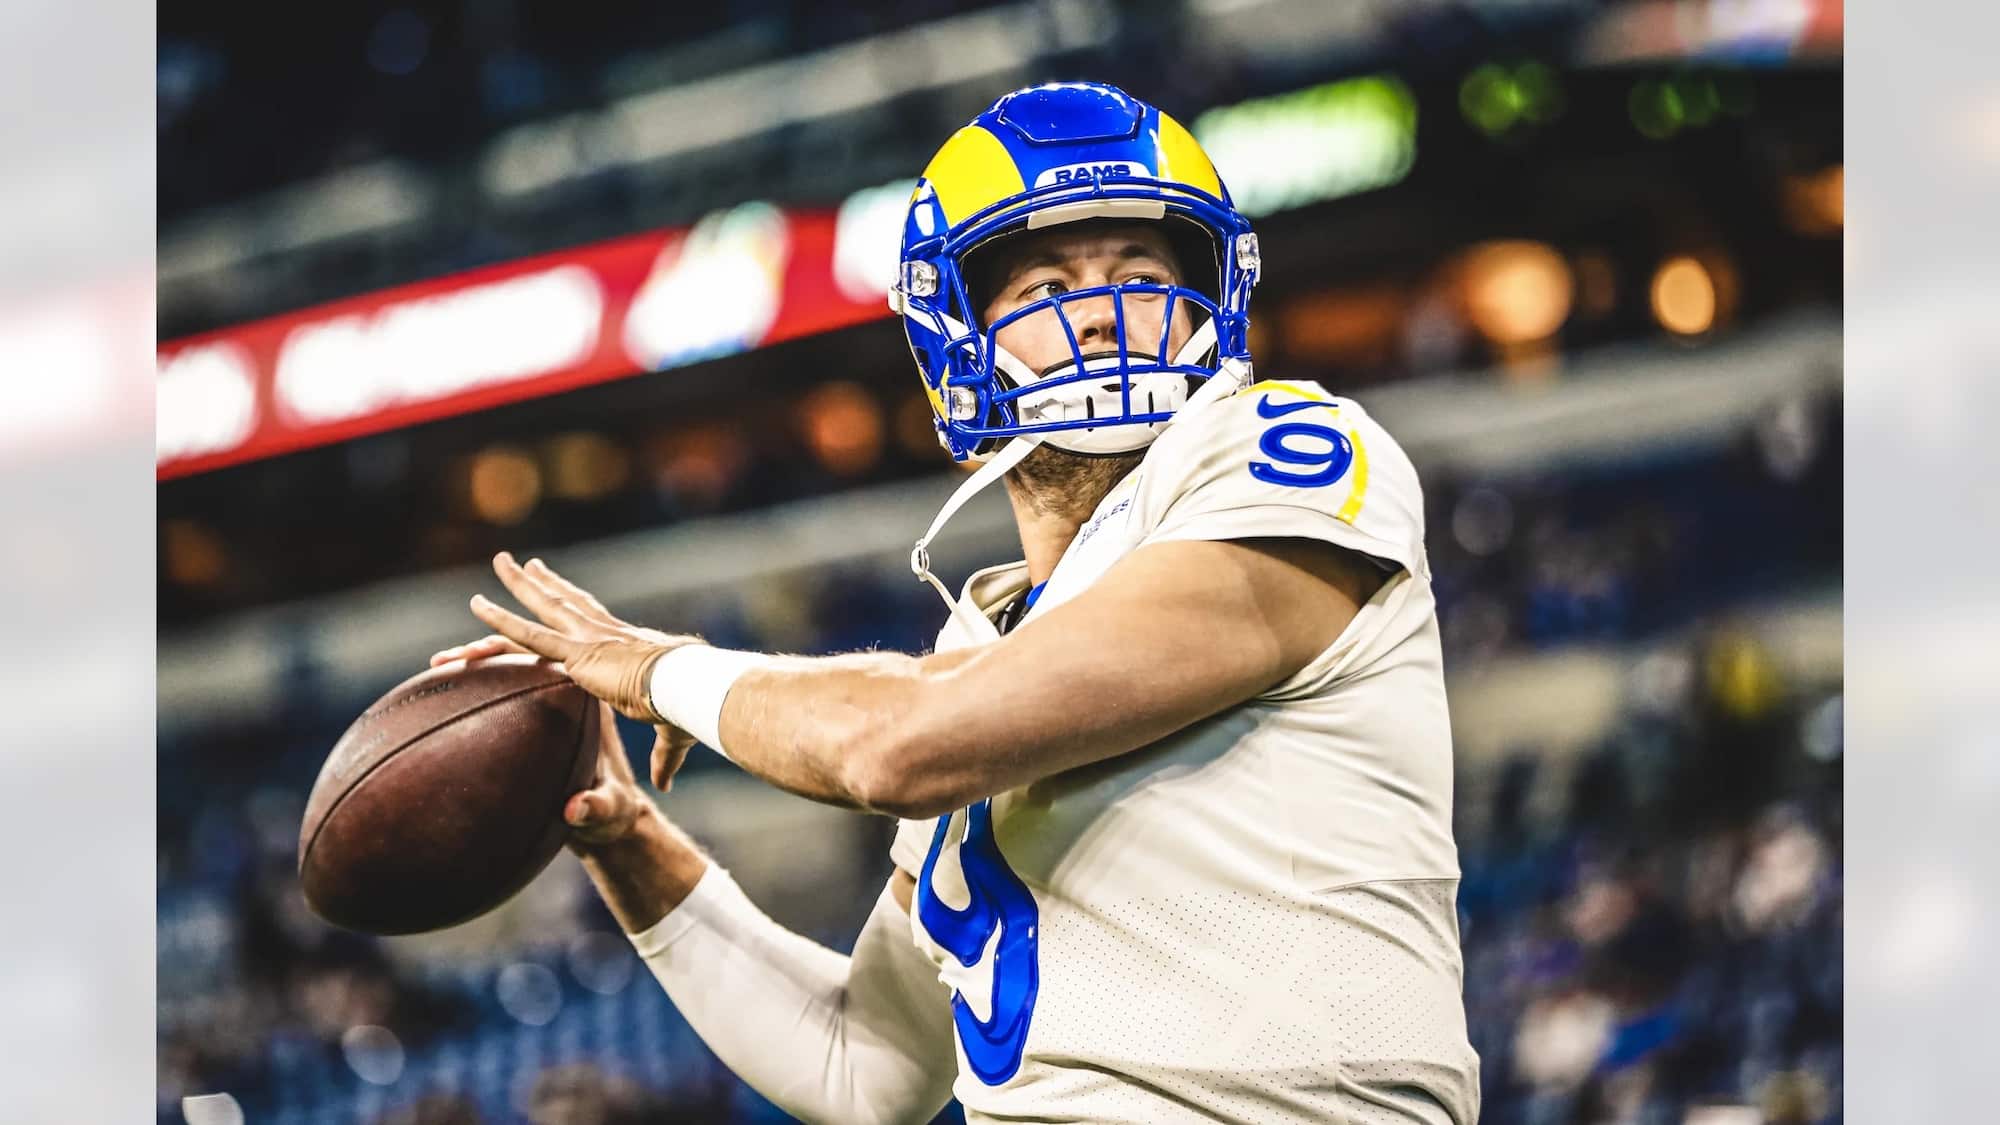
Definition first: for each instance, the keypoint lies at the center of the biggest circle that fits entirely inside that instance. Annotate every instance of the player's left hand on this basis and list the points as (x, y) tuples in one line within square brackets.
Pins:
[(609, 658), (670, 743)]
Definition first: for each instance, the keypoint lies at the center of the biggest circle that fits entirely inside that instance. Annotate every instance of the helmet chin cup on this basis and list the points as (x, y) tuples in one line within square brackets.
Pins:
[(1152, 392)]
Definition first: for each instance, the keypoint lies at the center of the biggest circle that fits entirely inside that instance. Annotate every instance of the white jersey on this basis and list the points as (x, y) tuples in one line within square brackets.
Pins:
[(1252, 919)]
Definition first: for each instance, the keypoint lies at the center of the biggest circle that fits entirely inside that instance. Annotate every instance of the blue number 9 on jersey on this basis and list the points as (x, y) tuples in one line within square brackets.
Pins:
[(1000, 903), (1280, 444)]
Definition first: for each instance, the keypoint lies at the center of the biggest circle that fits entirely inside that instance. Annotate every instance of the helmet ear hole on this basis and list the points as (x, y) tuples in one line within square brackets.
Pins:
[(1198, 254), (981, 268)]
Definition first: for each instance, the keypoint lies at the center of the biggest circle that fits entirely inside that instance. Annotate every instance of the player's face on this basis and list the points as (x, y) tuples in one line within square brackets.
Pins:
[(1057, 261)]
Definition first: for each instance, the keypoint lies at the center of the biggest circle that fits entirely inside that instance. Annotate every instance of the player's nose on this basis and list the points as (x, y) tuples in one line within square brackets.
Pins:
[(1095, 321)]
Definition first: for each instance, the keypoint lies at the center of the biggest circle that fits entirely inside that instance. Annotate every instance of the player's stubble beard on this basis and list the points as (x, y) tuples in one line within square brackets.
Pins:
[(1055, 483)]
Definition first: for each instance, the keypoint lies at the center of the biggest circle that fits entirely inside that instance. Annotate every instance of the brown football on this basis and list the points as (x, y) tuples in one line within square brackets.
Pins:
[(446, 796)]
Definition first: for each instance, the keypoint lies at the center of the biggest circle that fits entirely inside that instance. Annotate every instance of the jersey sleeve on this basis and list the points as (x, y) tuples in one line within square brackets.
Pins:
[(1285, 460)]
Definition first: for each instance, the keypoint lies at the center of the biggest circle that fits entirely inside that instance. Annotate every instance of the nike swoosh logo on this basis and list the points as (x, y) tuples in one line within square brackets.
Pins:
[(1268, 409), (974, 982)]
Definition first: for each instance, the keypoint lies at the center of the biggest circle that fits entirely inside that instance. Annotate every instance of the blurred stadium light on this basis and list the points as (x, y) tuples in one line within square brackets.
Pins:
[(1684, 296), (1351, 136), (1517, 293)]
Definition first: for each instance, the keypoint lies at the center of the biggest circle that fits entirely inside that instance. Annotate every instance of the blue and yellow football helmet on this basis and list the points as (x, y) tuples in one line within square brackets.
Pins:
[(1039, 157)]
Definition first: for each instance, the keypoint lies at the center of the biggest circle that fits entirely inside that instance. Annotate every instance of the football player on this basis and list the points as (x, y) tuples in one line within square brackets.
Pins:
[(1176, 787)]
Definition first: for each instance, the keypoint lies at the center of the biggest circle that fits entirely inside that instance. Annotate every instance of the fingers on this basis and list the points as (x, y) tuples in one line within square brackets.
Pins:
[(590, 808), (552, 597), (491, 645), (541, 599), (530, 635), (583, 601), (670, 751), (601, 816)]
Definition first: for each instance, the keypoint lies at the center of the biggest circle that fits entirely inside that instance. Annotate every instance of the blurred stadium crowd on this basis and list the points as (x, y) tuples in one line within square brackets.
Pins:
[(1609, 222)]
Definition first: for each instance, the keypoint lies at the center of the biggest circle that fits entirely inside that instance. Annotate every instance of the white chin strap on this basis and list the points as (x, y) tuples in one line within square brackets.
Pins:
[(1230, 376), (996, 466)]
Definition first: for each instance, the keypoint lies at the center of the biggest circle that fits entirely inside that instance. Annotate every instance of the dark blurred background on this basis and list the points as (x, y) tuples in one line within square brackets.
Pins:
[(1584, 259)]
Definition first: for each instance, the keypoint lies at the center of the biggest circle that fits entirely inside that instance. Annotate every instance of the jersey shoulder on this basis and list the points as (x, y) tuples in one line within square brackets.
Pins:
[(1285, 458)]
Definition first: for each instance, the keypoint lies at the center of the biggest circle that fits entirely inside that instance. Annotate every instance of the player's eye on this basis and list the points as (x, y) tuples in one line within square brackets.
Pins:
[(1042, 290), (1143, 279)]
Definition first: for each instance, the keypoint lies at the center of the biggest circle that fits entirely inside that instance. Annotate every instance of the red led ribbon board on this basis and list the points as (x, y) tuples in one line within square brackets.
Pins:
[(738, 280)]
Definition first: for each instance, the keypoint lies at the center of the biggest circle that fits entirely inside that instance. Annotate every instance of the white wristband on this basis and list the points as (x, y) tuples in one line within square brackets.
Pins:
[(689, 685)]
